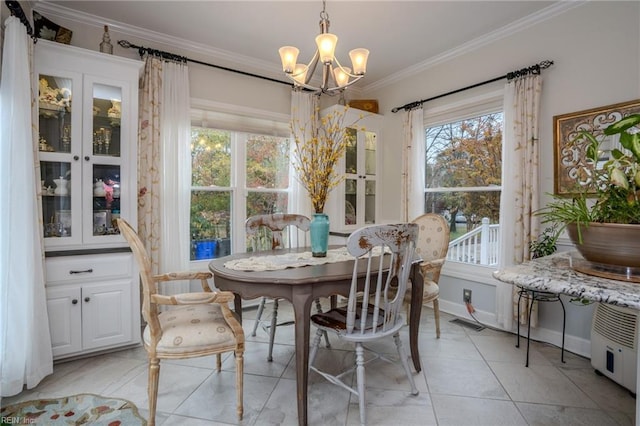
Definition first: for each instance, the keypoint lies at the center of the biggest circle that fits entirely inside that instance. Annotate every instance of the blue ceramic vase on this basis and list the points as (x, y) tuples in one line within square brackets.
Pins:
[(319, 230)]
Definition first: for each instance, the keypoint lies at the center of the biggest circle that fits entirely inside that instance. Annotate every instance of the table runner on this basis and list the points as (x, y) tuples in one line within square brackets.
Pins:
[(290, 260)]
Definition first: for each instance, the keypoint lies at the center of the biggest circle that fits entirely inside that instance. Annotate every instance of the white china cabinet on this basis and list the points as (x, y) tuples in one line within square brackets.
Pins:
[(354, 203), (87, 125)]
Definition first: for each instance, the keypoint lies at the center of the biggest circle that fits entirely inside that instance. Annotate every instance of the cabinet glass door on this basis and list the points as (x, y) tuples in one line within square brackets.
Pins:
[(56, 199), (370, 147), (103, 166), (106, 199), (370, 202), (351, 151), (59, 130), (107, 116), (54, 113)]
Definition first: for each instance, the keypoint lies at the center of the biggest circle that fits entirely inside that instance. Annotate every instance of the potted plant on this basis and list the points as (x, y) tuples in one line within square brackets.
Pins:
[(318, 147), (606, 229)]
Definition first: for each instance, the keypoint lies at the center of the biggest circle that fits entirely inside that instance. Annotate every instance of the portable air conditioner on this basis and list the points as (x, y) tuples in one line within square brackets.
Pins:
[(614, 344)]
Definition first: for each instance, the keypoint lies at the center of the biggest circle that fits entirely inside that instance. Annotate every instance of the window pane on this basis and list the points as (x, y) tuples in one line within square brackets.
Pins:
[(210, 157), (266, 202), (465, 153), (464, 209), (210, 224), (267, 162)]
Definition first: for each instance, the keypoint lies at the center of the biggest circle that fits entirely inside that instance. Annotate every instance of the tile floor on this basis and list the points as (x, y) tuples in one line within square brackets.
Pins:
[(470, 378)]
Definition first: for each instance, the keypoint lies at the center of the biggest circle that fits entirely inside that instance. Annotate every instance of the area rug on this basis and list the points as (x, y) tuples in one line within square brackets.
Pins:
[(82, 409)]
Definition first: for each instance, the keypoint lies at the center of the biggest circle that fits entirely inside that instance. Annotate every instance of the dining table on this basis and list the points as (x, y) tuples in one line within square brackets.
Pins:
[(301, 285)]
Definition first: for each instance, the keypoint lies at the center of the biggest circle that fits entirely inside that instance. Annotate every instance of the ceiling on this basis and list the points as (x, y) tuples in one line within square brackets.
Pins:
[(403, 36)]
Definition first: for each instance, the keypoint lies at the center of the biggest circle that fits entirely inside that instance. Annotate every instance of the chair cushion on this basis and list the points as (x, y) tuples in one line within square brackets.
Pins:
[(430, 292), (192, 328), (336, 319)]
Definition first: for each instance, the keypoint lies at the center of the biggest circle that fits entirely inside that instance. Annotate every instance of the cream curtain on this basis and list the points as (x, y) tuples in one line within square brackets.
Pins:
[(175, 179), (163, 162), (303, 108), (413, 164), (25, 344), (520, 185), (149, 155)]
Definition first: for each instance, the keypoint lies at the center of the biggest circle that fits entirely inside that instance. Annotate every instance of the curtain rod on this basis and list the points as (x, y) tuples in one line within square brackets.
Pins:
[(173, 57), (16, 10), (534, 69)]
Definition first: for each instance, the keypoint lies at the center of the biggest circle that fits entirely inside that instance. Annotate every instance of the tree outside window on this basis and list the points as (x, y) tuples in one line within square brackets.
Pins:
[(463, 171), (234, 175)]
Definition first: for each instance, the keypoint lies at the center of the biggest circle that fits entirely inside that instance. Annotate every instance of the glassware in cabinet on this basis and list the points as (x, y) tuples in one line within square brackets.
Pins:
[(55, 113)]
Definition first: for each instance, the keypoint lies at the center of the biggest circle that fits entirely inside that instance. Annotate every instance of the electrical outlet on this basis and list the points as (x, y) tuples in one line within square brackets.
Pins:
[(466, 295)]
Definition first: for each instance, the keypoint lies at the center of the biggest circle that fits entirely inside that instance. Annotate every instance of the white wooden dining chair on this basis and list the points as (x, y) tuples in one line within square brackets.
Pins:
[(196, 324), (274, 232), (379, 316)]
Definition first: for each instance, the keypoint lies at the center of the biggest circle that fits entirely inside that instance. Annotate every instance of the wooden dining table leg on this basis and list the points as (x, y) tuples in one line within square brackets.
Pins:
[(237, 306), (301, 300), (417, 288)]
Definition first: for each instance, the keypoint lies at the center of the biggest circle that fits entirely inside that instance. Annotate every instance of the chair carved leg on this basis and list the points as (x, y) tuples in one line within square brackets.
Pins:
[(402, 353), (313, 351), (272, 329), (239, 383), (361, 382), (154, 375), (407, 310), (436, 314), (218, 362), (326, 335), (258, 316)]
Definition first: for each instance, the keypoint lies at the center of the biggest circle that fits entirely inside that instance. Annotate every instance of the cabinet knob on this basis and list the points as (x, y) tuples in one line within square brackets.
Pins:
[(86, 299), (86, 158), (74, 302), (76, 158)]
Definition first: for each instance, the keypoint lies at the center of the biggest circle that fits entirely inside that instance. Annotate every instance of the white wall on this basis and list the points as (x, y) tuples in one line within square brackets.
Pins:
[(596, 50)]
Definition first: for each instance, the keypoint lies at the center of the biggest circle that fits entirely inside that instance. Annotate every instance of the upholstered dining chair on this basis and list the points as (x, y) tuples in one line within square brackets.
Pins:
[(432, 247), (195, 325), (273, 232), (379, 316)]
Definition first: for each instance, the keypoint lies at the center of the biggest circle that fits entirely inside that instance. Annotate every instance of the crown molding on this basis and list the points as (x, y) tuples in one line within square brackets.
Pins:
[(491, 37)]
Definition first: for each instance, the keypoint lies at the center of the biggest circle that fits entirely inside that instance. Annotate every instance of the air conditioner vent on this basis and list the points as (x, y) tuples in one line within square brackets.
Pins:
[(616, 325)]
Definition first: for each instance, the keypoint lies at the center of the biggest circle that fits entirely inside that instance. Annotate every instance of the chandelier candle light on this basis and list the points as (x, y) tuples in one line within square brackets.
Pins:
[(334, 78)]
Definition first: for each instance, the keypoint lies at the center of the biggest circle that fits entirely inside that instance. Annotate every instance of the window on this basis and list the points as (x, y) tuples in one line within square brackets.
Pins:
[(235, 174), (463, 178)]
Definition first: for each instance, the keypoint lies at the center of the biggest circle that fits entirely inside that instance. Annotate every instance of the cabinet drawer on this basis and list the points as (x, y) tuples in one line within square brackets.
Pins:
[(88, 268)]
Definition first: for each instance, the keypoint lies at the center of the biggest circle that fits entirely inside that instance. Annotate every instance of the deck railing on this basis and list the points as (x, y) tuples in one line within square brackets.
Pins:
[(479, 246)]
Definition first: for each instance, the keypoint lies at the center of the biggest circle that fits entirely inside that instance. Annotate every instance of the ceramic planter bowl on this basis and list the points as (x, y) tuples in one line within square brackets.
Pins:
[(608, 243)]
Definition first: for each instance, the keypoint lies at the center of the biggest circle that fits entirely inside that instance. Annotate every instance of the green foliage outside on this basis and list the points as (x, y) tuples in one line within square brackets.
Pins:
[(465, 154), (267, 171)]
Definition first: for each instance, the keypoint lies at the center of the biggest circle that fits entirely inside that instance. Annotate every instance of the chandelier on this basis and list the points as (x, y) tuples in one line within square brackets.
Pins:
[(335, 78)]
